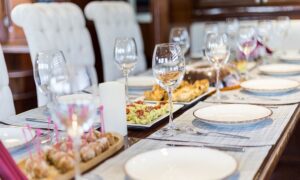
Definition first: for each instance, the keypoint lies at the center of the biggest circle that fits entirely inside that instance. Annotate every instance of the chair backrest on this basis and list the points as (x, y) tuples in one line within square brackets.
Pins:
[(49, 26), (6, 99), (112, 20)]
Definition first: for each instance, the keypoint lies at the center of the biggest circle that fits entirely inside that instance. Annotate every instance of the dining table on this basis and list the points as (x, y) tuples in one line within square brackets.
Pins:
[(260, 152)]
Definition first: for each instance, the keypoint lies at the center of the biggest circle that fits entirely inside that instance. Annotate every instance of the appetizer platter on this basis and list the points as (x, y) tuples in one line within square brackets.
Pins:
[(144, 115), (57, 161), (185, 93)]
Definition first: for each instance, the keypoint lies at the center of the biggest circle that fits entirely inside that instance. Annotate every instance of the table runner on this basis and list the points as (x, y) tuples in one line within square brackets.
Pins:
[(113, 169), (262, 133), (243, 97)]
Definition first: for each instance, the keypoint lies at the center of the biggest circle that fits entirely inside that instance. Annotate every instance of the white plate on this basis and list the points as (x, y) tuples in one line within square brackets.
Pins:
[(292, 56), (181, 163), (13, 137), (225, 114), (280, 69), (269, 85), (176, 107), (210, 90), (140, 82)]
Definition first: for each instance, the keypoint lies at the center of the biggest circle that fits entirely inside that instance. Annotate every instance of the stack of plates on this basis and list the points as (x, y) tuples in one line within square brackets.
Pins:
[(280, 69), (181, 163), (270, 86)]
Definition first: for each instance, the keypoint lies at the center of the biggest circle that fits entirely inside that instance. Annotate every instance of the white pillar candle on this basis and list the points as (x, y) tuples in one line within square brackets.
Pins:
[(112, 97)]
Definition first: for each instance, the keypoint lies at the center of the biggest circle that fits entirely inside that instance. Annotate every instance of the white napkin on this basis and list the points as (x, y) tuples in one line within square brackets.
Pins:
[(112, 97)]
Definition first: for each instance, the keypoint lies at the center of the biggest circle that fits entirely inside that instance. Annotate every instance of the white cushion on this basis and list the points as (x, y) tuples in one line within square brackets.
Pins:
[(6, 99), (60, 26), (112, 20)]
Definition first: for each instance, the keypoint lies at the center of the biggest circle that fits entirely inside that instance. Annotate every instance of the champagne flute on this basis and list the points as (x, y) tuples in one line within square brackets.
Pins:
[(246, 42), (217, 51), (180, 35), (47, 64), (168, 66), (125, 53), (73, 110)]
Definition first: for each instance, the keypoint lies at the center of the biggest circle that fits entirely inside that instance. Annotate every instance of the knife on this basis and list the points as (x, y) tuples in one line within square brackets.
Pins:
[(38, 120), (222, 148)]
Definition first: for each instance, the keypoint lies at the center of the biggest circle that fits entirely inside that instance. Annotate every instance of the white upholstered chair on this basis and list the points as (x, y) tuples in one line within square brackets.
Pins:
[(115, 19), (6, 99), (60, 26)]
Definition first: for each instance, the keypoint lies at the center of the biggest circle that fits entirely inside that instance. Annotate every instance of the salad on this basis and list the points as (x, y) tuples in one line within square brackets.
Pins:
[(140, 113)]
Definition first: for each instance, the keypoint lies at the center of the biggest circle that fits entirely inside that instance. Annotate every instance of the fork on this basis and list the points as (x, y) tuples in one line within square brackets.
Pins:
[(195, 131)]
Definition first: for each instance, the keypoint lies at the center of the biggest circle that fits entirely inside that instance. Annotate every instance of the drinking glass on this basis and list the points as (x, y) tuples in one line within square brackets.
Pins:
[(48, 64), (125, 53), (264, 30), (282, 27), (246, 43), (232, 27), (73, 110), (217, 51), (168, 66), (180, 36)]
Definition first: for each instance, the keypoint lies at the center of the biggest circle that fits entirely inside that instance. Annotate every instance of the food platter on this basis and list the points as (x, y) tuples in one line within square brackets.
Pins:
[(186, 93), (148, 119), (54, 173)]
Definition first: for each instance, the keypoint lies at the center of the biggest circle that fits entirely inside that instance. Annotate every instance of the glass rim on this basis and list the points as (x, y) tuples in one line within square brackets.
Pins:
[(125, 38), (166, 45), (49, 51)]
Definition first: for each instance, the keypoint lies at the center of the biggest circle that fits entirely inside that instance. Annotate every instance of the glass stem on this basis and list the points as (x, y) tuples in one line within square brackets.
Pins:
[(218, 83), (171, 123), (76, 149), (126, 87)]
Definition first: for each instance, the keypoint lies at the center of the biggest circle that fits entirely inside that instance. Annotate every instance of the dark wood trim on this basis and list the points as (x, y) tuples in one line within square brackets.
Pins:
[(277, 150)]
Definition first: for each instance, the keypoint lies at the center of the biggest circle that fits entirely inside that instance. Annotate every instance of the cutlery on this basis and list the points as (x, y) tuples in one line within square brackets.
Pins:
[(193, 130), (222, 148), (222, 134), (38, 120)]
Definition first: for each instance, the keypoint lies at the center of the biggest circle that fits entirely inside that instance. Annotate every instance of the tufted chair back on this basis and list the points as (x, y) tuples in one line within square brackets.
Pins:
[(115, 19), (60, 26), (6, 99)]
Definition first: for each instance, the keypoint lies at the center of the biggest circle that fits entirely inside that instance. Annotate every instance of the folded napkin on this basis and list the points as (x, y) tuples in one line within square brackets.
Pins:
[(8, 167)]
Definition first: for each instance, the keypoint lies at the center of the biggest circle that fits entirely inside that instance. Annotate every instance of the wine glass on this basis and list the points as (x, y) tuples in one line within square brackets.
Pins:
[(232, 27), (180, 35), (168, 66), (125, 54), (217, 51), (282, 27), (47, 64), (73, 110), (246, 43)]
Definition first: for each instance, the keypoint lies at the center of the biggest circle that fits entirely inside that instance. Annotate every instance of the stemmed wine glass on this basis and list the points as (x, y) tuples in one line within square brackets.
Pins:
[(180, 35), (246, 43), (217, 51), (168, 66), (125, 53), (73, 110), (47, 65)]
